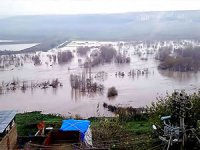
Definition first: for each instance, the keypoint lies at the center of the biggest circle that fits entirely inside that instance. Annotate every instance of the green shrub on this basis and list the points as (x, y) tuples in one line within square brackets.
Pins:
[(164, 106)]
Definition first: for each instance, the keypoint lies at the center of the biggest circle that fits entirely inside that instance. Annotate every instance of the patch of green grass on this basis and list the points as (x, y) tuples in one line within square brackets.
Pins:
[(111, 132), (27, 122), (138, 127), (123, 135)]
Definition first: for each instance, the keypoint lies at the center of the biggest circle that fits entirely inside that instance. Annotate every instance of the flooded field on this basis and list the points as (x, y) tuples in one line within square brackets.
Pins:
[(15, 47), (139, 85)]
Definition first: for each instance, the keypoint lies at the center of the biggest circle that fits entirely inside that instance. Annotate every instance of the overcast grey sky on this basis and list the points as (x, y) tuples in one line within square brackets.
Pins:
[(35, 7)]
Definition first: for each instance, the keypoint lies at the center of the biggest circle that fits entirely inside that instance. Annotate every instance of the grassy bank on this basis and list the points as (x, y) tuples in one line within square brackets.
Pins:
[(131, 129), (106, 132), (27, 122), (116, 134)]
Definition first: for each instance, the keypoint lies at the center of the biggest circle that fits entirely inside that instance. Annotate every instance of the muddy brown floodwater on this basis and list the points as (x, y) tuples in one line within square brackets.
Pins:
[(136, 91)]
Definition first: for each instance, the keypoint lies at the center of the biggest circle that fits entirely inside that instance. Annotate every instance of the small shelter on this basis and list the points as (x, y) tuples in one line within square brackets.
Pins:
[(72, 134), (83, 126), (8, 130)]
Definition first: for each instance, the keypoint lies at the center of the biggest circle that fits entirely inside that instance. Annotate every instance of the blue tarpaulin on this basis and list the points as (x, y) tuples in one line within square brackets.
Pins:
[(76, 125)]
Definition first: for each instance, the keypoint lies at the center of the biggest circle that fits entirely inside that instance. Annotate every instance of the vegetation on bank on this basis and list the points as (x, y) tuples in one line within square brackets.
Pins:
[(178, 105), (114, 133), (106, 132), (130, 129), (27, 122), (164, 106)]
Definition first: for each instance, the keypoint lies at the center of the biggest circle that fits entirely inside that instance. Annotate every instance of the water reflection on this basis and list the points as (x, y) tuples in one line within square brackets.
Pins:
[(78, 95), (135, 88), (54, 90), (180, 76)]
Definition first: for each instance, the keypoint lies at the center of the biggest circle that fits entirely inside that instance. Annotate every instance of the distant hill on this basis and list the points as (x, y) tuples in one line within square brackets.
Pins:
[(127, 26)]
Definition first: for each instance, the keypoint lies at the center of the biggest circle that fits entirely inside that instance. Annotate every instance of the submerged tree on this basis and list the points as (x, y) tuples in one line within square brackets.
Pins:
[(183, 59), (107, 53), (64, 57), (83, 50), (36, 60), (122, 59)]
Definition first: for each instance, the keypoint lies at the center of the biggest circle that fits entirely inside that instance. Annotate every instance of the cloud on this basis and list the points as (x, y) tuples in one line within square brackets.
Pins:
[(27, 7)]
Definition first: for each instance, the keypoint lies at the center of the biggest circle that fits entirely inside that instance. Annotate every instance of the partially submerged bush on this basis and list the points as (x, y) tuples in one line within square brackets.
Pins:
[(112, 92), (127, 113)]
